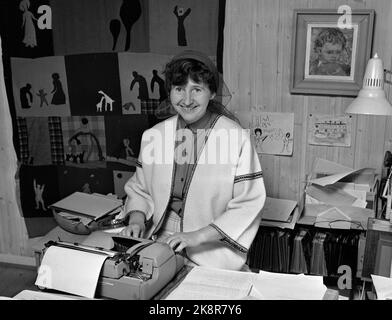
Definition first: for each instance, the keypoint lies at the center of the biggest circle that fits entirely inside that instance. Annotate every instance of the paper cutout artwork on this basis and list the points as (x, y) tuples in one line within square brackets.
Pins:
[(84, 141), (141, 81), (106, 103), (40, 87), (30, 37), (181, 14)]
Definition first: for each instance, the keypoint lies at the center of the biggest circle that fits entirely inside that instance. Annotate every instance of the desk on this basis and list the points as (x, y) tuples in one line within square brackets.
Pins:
[(58, 233)]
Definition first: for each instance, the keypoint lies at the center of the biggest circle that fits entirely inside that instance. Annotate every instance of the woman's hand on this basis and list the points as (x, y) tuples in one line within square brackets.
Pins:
[(136, 225), (180, 240), (135, 230)]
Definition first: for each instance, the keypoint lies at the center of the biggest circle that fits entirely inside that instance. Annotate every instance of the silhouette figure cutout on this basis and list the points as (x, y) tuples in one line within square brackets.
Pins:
[(115, 27), (39, 190), (42, 95), (143, 88), (26, 97), (161, 84), (58, 93), (30, 38), (105, 101), (181, 15), (130, 12)]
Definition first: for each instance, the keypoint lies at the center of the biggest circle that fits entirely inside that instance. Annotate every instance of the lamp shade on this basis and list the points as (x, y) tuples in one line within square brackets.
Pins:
[(371, 99)]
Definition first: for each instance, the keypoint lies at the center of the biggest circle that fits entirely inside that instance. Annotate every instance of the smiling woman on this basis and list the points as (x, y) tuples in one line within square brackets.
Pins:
[(208, 212)]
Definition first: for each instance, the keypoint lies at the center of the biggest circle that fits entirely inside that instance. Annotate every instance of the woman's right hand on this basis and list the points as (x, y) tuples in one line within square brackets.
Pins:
[(135, 230)]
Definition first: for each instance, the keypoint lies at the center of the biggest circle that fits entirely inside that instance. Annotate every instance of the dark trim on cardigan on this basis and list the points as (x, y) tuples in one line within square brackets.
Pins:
[(249, 176), (228, 240)]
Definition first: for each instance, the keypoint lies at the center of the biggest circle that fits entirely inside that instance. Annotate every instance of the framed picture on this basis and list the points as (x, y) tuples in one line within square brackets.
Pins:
[(329, 58)]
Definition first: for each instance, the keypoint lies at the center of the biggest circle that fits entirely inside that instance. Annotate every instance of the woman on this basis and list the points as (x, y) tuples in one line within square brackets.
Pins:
[(199, 182)]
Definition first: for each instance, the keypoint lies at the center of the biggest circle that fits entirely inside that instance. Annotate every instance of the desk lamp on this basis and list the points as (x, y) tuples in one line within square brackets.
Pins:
[(371, 100)]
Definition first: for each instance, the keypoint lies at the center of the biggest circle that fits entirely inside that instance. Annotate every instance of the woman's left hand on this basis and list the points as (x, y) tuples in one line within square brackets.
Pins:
[(179, 241)]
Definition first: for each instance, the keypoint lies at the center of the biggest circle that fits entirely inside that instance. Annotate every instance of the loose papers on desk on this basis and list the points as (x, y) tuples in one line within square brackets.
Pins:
[(280, 213), (71, 271), (339, 194), (282, 286), (203, 283), (93, 206), (334, 184), (383, 286)]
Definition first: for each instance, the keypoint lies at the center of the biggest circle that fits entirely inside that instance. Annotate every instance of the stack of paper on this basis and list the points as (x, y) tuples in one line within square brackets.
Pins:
[(333, 189), (345, 186), (213, 284), (281, 286), (204, 283), (383, 287), (281, 213)]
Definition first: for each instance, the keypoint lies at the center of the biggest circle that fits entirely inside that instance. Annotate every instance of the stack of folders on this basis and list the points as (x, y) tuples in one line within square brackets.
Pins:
[(340, 250), (304, 251), (300, 258), (318, 265), (270, 250)]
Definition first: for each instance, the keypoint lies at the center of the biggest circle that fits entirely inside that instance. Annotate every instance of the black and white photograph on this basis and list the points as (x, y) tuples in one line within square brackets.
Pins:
[(196, 158)]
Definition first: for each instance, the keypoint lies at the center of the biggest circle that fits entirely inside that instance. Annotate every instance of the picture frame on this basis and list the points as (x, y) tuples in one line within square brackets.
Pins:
[(322, 66)]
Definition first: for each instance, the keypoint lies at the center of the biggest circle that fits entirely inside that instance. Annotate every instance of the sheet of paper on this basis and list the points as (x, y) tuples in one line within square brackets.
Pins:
[(92, 205), (383, 286), (330, 195), (331, 179), (71, 271), (282, 286), (213, 284), (277, 209), (290, 224), (39, 295), (328, 167)]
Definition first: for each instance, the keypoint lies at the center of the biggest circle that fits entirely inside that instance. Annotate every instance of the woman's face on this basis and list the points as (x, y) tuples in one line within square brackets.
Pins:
[(191, 100)]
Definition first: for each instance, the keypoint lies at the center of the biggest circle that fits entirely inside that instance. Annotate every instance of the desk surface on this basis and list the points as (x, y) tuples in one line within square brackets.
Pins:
[(58, 233)]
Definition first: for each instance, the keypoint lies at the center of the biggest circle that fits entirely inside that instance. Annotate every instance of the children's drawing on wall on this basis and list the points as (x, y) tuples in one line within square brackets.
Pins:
[(141, 80), (84, 141), (328, 130), (259, 139), (272, 132), (181, 14), (330, 52), (40, 87), (30, 37)]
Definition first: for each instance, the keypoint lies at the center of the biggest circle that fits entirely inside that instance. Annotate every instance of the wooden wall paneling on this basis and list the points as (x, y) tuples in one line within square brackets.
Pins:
[(267, 80)]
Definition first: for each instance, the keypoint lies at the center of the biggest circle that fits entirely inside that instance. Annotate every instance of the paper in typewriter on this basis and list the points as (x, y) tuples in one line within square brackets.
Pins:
[(213, 284), (72, 271)]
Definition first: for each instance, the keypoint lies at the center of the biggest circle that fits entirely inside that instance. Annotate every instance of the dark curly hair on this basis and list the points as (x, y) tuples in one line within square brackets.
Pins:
[(177, 73)]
